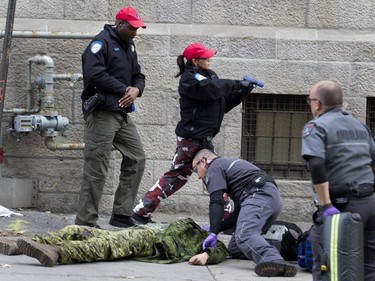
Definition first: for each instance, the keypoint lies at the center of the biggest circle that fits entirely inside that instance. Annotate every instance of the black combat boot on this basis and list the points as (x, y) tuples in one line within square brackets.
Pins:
[(141, 220), (275, 268), (121, 221)]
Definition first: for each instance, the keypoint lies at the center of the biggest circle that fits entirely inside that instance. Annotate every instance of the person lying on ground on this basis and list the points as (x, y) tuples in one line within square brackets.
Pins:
[(177, 241)]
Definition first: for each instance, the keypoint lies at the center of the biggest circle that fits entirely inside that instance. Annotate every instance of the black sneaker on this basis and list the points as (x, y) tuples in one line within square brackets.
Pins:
[(138, 219), (275, 268), (121, 221)]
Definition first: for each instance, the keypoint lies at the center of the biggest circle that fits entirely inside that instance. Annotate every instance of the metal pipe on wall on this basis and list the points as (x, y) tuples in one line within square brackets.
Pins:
[(19, 111), (40, 35), (74, 77), (48, 99), (51, 144), (49, 140), (49, 122), (49, 35)]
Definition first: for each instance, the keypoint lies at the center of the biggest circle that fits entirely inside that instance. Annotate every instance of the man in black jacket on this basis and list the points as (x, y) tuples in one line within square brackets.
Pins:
[(112, 81)]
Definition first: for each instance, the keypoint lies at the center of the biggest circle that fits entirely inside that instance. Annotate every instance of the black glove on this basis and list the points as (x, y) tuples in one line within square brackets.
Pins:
[(245, 86)]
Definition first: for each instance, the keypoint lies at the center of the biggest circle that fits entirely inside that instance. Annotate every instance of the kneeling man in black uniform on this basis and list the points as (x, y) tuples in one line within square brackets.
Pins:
[(257, 204)]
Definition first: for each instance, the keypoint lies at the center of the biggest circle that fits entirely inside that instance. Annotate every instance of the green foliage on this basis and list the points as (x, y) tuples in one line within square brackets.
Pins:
[(16, 227)]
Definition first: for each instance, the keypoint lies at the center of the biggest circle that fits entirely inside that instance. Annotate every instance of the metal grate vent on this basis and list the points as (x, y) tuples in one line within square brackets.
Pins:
[(370, 114), (271, 133)]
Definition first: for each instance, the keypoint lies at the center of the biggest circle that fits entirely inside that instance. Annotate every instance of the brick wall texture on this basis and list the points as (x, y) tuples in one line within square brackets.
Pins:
[(288, 44)]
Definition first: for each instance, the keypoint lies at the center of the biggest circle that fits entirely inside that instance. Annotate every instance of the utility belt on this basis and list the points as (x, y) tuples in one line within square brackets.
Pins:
[(362, 190), (353, 190), (258, 180), (92, 103)]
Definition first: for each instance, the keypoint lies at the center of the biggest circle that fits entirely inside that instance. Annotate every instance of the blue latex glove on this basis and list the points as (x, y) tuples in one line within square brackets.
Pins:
[(205, 228), (330, 211), (210, 241)]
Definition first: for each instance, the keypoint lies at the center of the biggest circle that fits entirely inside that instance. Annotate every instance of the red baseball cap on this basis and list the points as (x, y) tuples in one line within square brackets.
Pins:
[(197, 50), (130, 15)]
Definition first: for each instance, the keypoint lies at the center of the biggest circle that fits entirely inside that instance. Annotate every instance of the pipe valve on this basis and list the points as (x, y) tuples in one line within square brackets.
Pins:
[(32, 123)]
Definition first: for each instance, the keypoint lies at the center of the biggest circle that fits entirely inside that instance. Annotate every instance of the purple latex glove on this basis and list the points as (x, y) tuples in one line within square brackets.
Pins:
[(330, 211), (210, 241), (205, 228)]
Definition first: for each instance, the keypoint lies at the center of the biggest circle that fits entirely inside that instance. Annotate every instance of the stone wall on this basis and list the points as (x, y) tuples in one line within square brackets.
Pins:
[(288, 44)]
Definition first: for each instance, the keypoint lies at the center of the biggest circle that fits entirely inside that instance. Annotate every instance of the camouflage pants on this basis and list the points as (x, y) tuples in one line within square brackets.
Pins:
[(160, 243), (174, 179), (87, 244)]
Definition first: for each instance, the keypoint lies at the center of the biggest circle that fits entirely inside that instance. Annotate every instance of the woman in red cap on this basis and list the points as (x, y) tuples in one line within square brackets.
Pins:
[(204, 99)]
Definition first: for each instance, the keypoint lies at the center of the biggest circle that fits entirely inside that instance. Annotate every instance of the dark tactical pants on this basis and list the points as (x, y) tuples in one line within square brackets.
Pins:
[(104, 129), (365, 206), (258, 212)]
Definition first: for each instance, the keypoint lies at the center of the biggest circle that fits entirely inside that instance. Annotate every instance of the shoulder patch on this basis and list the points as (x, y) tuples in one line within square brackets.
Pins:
[(307, 129), (96, 46), (199, 77)]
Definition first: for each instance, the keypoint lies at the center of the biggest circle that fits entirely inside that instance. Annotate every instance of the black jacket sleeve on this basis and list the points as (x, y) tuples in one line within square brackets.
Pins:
[(233, 99), (138, 78), (216, 211), (317, 169), (197, 86)]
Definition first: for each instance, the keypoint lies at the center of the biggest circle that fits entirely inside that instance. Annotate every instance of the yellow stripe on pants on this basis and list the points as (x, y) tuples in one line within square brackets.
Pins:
[(334, 247)]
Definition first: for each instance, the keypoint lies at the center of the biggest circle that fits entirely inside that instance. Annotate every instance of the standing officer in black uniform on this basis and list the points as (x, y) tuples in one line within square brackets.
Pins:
[(257, 204), (204, 99), (340, 152), (112, 81)]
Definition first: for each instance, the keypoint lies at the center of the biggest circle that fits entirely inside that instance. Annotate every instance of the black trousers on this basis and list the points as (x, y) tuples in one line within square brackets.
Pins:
[(365, 206)]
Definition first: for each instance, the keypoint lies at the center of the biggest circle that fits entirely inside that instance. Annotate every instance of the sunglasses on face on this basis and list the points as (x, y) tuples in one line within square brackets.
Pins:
[(308, 100), (195, 168)]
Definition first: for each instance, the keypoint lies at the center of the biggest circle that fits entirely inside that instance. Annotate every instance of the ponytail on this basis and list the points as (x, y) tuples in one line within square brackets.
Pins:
[(181, 65)]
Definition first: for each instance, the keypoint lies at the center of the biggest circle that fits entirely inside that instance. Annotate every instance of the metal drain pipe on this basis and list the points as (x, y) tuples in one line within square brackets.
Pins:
[(49, 35), (48, 107), (73, 78), (50, 142)]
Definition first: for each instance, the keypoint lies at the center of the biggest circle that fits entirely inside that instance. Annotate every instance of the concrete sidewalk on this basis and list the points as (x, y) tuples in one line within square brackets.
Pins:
[(21, 267)]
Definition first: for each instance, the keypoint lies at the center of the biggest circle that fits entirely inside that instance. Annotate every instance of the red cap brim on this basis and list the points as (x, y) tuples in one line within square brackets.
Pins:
[(208, 54), (136, 23)]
